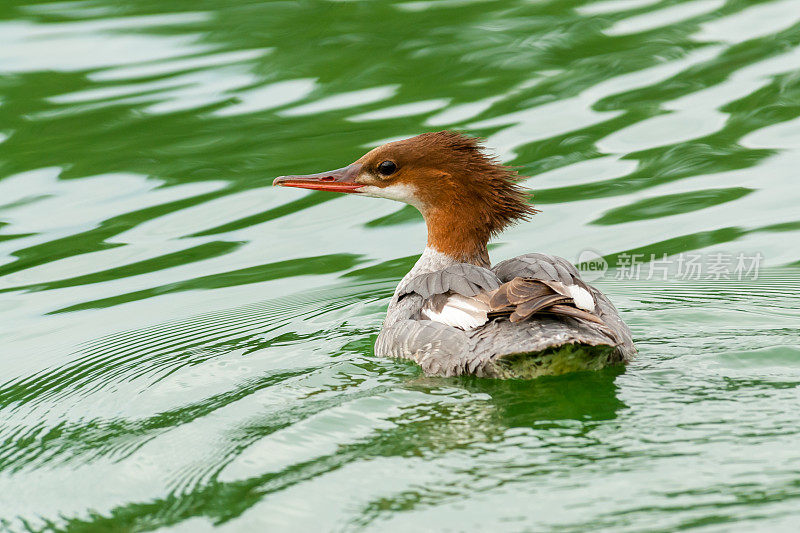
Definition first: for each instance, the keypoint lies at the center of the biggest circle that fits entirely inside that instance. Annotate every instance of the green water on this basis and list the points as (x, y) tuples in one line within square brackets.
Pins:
[(185, 348)]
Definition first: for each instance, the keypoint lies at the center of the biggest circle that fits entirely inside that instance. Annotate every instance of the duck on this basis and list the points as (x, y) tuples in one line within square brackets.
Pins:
[(455, 314)]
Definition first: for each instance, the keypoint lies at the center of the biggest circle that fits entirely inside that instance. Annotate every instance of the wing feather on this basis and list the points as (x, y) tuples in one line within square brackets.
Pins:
[(462, 278), (448, 315)]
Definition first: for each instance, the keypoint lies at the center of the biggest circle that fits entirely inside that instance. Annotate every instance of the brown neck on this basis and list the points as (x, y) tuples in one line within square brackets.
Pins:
[(463, 240)]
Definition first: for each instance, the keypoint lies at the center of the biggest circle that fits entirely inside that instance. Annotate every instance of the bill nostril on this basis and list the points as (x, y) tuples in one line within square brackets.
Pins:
[(327, 178)]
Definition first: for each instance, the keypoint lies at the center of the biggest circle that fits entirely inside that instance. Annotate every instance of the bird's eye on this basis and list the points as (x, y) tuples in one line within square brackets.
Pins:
[(387, 168)]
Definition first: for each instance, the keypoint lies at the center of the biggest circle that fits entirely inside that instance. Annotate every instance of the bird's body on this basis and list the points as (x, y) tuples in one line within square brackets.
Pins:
[(441, 316), (453, 313)]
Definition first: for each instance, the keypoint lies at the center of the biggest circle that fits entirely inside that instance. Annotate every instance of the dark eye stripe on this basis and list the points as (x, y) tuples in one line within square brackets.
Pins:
[(387, 168)]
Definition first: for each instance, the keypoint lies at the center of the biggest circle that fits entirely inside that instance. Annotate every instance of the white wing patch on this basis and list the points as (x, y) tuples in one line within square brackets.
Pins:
[(582, 298), (456, 310), (468, 313)]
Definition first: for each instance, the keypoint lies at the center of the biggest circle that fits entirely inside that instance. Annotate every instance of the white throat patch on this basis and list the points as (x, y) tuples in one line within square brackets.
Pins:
[(400, 192)]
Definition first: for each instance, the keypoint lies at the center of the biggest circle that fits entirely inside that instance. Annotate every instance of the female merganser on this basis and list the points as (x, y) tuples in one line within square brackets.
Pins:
[(455, 314)]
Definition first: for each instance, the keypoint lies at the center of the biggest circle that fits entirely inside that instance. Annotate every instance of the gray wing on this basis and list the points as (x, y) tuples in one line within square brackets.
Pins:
[(455, 296), (538, 266), (553, 268), (438, 348), (462, 278)]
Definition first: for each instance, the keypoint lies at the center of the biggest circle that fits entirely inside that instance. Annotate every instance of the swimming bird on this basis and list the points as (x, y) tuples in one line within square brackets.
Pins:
[(454, 313)]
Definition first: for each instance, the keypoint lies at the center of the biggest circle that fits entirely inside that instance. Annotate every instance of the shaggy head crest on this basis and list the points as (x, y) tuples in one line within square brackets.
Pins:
[(465, 195)]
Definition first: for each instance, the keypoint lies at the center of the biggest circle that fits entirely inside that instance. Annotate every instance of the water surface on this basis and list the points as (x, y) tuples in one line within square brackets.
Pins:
[(185, 348)]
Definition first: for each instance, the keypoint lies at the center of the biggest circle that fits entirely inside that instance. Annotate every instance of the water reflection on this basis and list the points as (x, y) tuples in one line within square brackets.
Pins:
[(580, 396)]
